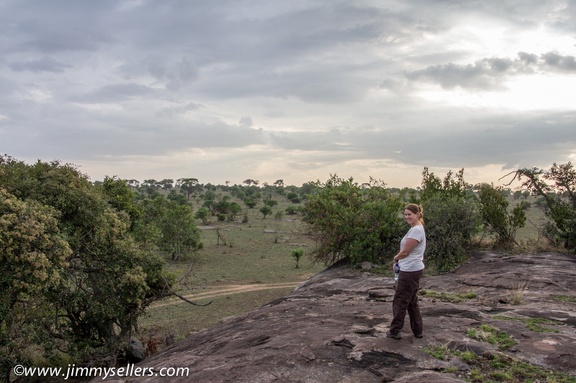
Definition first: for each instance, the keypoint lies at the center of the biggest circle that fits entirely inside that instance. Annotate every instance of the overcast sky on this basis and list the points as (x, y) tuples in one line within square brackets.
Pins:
[(293, 90)]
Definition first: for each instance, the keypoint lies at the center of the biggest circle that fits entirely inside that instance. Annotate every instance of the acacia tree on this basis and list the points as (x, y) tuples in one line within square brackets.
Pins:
[(493, 207), (348, 221), (187, 185), (557, 187)]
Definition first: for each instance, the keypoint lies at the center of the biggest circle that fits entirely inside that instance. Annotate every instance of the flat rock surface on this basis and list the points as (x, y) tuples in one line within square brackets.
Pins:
[(332, 328)]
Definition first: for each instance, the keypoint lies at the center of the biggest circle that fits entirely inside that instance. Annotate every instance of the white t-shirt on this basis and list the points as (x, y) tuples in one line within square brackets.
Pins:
[(415, 260)]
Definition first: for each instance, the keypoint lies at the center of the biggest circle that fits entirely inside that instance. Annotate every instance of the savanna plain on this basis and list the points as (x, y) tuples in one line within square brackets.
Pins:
[(244, 265)]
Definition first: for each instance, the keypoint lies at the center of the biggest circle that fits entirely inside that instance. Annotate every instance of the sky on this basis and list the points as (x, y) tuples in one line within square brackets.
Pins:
[(230, 90)]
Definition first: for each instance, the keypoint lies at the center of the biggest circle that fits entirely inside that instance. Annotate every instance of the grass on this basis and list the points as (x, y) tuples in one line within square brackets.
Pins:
[(534, 324), (492, 335), (491, 367), (564, 298), (181, 319), (256, 252), (535, 219), (518, 290)]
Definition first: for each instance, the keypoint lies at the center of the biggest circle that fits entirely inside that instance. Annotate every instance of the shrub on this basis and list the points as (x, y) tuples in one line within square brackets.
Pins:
[(452, 218), (349, 221), (451, 224), (493, 207), (297, 254)]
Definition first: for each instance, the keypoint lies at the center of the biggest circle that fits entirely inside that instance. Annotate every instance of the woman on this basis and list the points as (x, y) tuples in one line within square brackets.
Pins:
[(410, 259)]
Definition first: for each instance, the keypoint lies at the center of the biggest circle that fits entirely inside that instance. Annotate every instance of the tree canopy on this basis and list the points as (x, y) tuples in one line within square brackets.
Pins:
[(71, 268)]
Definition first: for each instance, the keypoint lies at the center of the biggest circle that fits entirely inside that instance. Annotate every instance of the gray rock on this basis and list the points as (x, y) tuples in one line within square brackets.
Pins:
[(332, 328)]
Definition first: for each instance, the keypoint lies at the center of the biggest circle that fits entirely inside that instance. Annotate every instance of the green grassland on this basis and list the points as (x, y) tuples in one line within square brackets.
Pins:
[(253, 252), (256, 252)]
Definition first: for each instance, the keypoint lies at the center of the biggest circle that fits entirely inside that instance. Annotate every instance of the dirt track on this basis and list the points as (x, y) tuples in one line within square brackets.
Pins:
[(229, 290)]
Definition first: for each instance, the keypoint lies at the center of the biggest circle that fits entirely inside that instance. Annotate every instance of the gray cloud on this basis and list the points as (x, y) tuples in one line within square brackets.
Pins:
[(489, 73), (115, 93), (297, 86), (45, 64)]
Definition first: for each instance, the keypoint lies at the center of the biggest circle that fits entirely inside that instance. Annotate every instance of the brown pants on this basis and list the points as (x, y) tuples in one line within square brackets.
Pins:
[(406, 299)]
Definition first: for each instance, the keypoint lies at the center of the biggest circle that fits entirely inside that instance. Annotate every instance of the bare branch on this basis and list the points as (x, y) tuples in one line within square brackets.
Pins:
[(189, 301)]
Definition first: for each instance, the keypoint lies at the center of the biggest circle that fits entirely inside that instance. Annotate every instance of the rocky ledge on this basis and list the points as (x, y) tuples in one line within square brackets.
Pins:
[(333, 327)]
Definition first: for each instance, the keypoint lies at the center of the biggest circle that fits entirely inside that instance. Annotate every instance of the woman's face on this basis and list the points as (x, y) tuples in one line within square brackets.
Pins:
[(411, 218)]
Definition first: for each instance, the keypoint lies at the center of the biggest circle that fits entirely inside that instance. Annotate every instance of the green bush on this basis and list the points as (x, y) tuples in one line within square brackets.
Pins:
[(350, 221), (451, 218), (493, 207), (451, 224)]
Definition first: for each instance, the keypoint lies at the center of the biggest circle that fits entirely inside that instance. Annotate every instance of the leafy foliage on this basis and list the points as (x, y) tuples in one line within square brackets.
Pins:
[(451, 216), (558, 188), (297, 254), (32, 253), (91, 279), (349, 221), (493, 207), (170, 226)]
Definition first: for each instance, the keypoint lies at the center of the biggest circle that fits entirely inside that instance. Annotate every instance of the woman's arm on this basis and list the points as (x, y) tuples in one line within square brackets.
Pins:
[(409, 245)]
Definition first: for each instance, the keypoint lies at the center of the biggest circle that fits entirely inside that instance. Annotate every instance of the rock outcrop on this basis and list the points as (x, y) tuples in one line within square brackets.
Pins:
[(332, 328)]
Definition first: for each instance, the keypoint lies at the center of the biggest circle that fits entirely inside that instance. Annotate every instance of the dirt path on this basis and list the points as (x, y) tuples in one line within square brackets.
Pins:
[(229, 290)]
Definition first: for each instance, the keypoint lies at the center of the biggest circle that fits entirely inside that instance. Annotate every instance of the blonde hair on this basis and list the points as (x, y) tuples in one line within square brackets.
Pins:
[(416, 209)]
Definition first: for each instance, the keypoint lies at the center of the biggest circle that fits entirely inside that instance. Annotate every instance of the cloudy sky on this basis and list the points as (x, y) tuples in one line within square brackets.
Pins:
[(227, 90)]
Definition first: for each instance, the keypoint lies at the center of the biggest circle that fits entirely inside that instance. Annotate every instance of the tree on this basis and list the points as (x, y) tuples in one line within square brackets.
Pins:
[(108, 280), (493, 207), (121, 197), (171, 226), (557, 187), (251, 182), (32, 253), (202, 214), (187, 185), (265, 210), (167, 184), (350, 222), (179, 231)]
